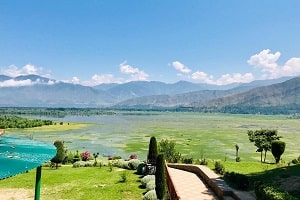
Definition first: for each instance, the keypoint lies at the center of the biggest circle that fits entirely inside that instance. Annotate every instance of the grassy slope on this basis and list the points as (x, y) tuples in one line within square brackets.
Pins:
[(80, 183)]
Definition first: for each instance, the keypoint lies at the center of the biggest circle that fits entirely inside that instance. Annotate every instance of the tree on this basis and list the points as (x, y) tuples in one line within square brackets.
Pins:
[(277, 148), (152, 152), (60, 152), (167, 148), (262, 140), (160, 177)]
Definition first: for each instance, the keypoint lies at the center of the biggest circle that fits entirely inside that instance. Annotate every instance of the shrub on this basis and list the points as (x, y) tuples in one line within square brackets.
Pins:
[(160, 177), (85, 156), (277, 148), (141, 169), (238, 159), (123, 178), (150, 185), (82, 164), (118, 163), (187, 160), (295, 161), (203, 161), (150, 195), (147, 179), (239, 181), (133, 156), (116, 158), (134, 163), (219, 168), (266, 191)]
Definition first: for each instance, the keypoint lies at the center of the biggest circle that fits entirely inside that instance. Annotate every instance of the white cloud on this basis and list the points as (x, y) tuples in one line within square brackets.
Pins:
[(135, 73), (14, 71), (75, 80), (224, 79), (181, 67), (14, 83), (267, 63)]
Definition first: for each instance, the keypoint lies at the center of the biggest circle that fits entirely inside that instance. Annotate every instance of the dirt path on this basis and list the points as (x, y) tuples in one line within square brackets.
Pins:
[(16, 194)]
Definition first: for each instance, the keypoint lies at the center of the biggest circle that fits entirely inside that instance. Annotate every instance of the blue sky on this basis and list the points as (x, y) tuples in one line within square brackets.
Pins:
[(203, 41)]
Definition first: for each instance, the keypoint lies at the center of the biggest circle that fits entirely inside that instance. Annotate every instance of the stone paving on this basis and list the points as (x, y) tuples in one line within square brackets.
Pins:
[(189, 186)]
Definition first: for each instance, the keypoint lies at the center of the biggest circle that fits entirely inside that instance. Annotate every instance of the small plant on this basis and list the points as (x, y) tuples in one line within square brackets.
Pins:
[(123, 177), (187, 160), (219, 168), (238, 159), (203, 161), (110, 165)]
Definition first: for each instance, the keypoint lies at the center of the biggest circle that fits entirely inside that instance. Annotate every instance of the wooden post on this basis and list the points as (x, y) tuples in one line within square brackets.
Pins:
[(38, 183)]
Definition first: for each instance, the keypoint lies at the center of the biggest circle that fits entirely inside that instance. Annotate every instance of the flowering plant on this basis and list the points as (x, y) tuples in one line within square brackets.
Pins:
[(85, 156), (133, 156)]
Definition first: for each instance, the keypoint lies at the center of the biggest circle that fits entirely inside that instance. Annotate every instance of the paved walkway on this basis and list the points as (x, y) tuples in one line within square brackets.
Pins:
[(189, 186)]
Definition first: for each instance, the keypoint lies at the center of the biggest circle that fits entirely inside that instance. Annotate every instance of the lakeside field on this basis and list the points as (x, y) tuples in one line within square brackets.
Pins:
[(74, 183), (198, 135)]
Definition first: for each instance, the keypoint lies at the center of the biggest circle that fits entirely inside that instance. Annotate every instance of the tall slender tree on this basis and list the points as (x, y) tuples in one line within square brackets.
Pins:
[(160, 177), (152, 152)]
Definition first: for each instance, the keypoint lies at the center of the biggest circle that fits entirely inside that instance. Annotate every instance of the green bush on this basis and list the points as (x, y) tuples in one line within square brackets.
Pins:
[(150, 195), (277, 148), (134, 163), (266, 191), (187, 160), (203, 161), (150, 185), (238, 181), (295, 161), (141, 169), (219, 168), (147, 179), (123, 177), (83, 164)]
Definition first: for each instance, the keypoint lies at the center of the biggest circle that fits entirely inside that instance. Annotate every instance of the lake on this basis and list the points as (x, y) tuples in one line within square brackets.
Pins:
[(196, 134)]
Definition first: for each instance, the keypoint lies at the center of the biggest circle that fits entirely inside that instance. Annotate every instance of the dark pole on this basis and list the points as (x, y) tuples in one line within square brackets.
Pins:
[(38, 183)]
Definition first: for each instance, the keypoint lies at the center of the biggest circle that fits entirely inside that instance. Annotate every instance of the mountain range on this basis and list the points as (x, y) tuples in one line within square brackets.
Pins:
[(37, 91)]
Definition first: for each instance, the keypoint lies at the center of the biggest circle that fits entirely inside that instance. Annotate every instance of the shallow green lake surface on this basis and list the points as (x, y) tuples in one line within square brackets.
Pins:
[(198, 135)]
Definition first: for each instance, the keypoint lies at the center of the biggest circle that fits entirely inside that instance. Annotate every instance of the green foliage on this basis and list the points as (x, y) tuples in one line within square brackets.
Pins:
[(202, 161), (219, 168), (7, 121), (141, 169), (237, 180), (134, 163), (147, 179), (150, 195), (187, 160), (123, 177), (150, 185), (167, 147), (160, 177), (266, 191), (263, 140), (60, 152), (277, 148), (152, 152)]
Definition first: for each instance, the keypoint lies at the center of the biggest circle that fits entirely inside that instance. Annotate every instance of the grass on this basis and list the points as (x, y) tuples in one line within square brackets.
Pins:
[(80, 183)]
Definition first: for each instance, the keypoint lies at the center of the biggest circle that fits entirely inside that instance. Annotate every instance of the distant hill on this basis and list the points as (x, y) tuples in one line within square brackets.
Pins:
[(278, 96), (37, 91)]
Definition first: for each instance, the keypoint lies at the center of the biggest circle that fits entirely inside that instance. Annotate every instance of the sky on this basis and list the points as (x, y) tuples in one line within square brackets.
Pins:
[(91, 42)]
